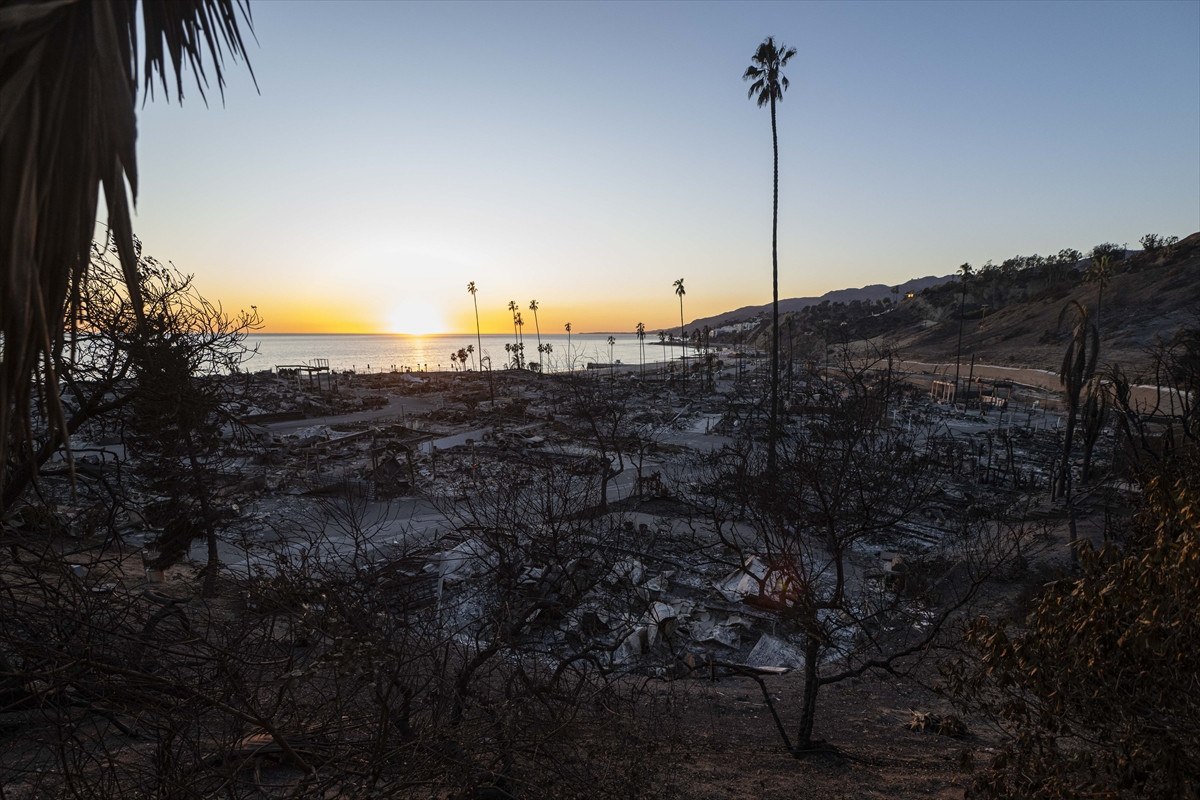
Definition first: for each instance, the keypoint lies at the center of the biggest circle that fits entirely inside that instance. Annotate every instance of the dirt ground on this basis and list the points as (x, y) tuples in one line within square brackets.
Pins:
[(730, 749), (727, 746)]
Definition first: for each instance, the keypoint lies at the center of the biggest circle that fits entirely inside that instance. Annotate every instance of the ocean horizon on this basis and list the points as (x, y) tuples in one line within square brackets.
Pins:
[(399, 352)]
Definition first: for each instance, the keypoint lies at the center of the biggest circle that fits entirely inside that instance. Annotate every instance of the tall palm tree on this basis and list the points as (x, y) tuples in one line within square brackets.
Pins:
[(570, 366), (521, 340), (965, 271), (512, 307), (478, 334), (679, 290), (479, 338), (768, 83), (68, 89), (611, 341), (533, 306), (641, 335)]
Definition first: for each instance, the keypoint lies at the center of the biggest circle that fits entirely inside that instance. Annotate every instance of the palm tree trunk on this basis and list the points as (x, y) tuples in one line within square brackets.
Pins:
[(516, 340), (682, 340), (478, 335), (958, 352), (537, 325), (773, 422)]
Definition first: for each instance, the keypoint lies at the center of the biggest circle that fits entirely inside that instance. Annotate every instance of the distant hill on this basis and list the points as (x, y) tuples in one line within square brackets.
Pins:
[(1151, 295), (1013, 319), (876, 291)]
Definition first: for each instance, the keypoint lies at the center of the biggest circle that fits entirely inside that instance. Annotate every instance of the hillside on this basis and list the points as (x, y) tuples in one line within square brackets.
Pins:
[(1011, 315), (1151, 298), (873, 293)]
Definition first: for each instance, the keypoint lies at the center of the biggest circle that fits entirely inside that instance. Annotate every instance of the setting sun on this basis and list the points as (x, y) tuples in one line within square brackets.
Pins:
[(416, 319)]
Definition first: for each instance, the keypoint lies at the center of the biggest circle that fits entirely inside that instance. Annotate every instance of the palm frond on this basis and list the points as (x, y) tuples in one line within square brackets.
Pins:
[(68, 127), (766, 71)]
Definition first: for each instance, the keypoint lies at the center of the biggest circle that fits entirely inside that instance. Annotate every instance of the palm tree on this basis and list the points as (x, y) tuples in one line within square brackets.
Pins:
[(478, 335), (512, 307), (965, 271), (641, 335), (1100, 273), (611, 341), (767, 88), (471, 352), (521, 340), (570, 366), (679, 290), (479, 338), (533, 306), (549, 347), (69, 80)]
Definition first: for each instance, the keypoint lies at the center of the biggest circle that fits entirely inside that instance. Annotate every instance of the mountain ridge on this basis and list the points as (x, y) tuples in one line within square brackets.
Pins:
[(872, 292)]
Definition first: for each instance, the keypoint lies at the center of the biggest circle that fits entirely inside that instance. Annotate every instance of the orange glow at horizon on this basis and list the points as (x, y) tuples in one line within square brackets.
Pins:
[(418, 318), (441, 309)]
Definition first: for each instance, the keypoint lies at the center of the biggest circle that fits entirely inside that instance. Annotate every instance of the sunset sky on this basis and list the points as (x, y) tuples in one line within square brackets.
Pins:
[(587, 155)]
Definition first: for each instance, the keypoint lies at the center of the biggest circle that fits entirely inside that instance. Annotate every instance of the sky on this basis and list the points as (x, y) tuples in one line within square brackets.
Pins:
[(589, 154)]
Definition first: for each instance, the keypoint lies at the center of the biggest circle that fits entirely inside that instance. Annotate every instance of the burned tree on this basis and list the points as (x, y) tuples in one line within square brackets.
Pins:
[(356, 659), (108, 367), (186, 346), (850, 482), (603, 415), (1078, 367)]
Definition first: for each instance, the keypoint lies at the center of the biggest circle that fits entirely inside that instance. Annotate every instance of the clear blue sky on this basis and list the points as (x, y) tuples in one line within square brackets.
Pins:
[(590, 154)]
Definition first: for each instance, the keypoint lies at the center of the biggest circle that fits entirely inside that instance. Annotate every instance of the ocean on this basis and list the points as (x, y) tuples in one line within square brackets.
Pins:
[(388, 352)]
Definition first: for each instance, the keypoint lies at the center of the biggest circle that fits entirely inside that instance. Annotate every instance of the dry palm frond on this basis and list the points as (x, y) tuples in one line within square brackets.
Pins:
[(1079, 361), (68, 127)]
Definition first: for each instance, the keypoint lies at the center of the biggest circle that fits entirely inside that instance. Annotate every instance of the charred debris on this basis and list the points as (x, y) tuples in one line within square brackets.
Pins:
[(422, 460)]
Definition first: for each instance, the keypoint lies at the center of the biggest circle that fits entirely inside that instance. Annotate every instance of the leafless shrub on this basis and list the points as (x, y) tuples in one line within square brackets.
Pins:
[(340, 665), (806, 536)]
